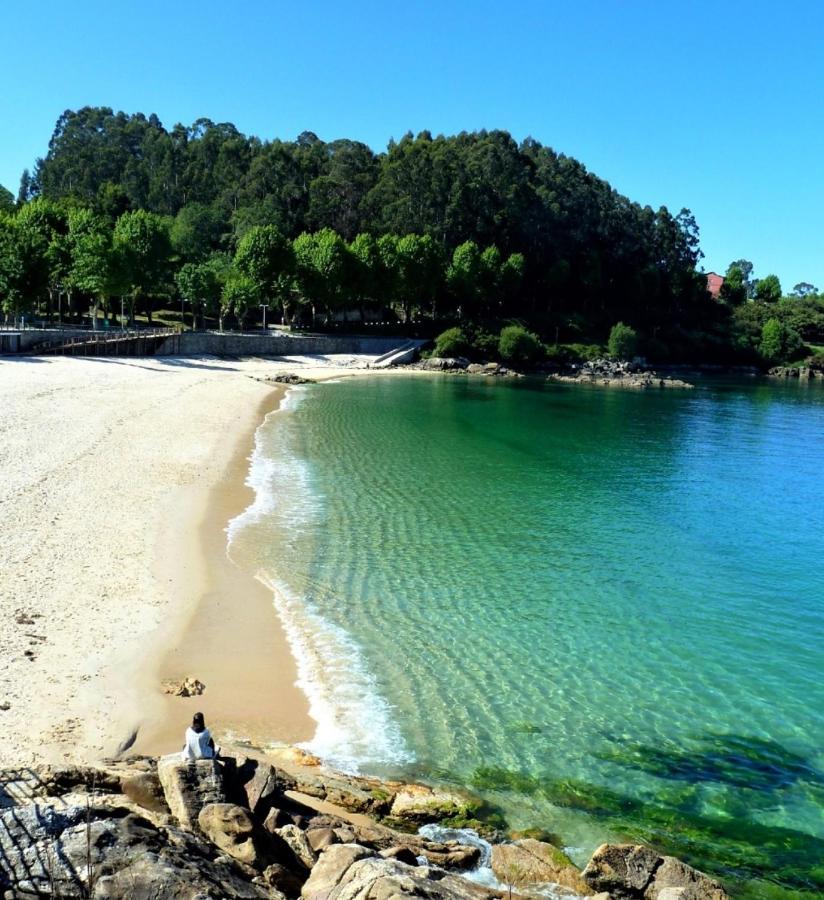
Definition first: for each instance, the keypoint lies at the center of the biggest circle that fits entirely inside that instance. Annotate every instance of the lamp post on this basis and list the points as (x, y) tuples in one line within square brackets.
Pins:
[(264, 307)]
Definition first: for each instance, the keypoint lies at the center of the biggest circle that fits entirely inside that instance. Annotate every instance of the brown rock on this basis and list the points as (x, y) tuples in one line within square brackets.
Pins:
[(419, 804), (187, 687), (402, 854), (296, 841), (624, 870), (534, 862), (674, 880), (320, 838), (230, 828), (330, 869), (275, 819), (283, 879), (261, 784), (189, 786), (145, 790)]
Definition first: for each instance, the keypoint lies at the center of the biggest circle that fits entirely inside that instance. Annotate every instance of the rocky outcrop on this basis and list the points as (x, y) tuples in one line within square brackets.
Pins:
[(803, 373), (347, 871), (535, 862), (231, 829), (444, 363), (615, 373), (417, 804), (635, 872), (189, 786), (236, 829), (77, 851)]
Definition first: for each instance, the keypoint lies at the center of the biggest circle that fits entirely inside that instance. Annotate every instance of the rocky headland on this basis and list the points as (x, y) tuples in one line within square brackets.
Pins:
[(285, 827), (616, 373)]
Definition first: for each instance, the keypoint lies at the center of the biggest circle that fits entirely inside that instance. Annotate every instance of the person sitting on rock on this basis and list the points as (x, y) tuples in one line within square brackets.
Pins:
[(199, 743)]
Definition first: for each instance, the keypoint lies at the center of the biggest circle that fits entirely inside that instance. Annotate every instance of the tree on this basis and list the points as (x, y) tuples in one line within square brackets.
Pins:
[(144, 249), (463, 277), (768, 289), (623, 341), (12, 298), (322, 267), (804, 289), (734, 289), (6, 200), (240, 295), (519, 346), (420, 273), (266, 257), (199, 283), (779, 343), (93, 262)]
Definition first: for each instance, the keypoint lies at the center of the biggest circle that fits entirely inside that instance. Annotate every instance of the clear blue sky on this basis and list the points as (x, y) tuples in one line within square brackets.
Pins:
[(716, 106)]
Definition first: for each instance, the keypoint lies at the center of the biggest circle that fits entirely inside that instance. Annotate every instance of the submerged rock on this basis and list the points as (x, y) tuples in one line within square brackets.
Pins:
[(635, 872), (616, 373)]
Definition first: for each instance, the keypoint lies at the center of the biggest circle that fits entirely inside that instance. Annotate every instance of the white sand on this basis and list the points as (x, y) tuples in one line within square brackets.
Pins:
[(94, 453)]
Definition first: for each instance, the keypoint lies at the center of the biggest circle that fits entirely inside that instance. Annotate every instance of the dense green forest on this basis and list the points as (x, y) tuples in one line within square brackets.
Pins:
[(473, 231)]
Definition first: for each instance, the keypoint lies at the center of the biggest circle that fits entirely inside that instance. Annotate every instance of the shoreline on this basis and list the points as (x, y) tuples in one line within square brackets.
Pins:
[(229, 620)]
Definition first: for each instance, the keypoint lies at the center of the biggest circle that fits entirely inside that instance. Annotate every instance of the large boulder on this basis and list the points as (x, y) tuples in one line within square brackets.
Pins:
[(635, 872), (259, 786), (298, 845), (189, 786), (230, 828), (536, 862), (348, 871), (145, 789), (74, 851), (417, 804)]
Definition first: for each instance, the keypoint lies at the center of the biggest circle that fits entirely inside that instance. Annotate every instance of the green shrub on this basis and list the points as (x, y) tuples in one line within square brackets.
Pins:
[(452, 342), (582, 352), (517, 345), (816, 361), (623, 341), (484, 345), (779, 343)]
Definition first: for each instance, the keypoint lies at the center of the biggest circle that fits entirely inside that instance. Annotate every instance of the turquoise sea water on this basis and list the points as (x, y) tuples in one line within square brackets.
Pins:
[(601, 609)]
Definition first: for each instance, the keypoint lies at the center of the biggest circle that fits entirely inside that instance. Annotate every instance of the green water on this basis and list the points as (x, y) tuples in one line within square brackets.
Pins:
[(600, 609)]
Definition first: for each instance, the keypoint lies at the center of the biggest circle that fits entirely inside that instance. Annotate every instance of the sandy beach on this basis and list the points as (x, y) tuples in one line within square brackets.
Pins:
[(117, 480)]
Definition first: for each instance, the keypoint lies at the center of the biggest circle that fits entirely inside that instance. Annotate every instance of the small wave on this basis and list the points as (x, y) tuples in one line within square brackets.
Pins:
[(264, 469), (355, 726)]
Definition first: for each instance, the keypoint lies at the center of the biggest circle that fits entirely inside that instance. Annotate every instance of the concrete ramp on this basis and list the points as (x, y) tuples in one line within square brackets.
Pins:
[(399, 356)]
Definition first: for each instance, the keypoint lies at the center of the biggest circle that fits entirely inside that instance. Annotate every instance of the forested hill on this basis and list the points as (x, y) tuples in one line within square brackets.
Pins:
[(588, 249), (471, 230)]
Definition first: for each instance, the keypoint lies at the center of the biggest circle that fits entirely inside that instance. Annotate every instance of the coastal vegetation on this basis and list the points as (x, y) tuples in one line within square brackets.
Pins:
[(126, 219)]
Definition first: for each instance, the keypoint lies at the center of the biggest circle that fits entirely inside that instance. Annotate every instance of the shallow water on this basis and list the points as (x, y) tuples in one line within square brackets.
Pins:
[(601, 609)]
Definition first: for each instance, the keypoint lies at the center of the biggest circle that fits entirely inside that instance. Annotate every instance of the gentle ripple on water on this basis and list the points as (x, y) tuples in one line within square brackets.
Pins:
[(602, 590)]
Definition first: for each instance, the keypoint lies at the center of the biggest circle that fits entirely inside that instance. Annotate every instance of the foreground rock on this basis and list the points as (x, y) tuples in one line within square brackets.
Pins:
[(74, 851), (535, 862), (237, 828), (349, 871), (613, 373), (635, 872), (189, 786)]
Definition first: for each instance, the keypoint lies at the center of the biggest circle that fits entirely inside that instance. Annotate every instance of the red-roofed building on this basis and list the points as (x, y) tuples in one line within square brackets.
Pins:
[(714, 282)]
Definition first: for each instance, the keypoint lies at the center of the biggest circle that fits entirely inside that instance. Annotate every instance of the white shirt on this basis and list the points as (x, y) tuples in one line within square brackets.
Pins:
[(197, 744)]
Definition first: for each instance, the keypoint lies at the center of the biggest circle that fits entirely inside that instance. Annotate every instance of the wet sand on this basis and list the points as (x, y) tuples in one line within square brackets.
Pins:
[(232, 641)]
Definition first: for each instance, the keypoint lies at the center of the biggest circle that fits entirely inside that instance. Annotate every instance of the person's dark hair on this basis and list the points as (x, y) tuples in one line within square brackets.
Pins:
[(198, 724)]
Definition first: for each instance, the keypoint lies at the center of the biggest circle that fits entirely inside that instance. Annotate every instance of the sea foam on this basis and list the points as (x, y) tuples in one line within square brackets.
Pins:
[(355, 726)]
